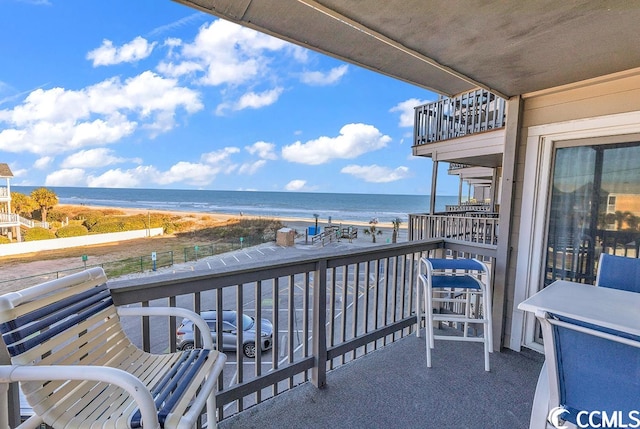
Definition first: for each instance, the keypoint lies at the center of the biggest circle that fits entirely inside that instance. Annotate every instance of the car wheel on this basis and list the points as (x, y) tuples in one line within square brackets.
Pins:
[(187, 346), (249, 350)]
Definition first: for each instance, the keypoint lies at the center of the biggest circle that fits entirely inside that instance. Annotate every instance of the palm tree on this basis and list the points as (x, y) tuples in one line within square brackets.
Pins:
[(619, 219), (22, 204), (396, 226), (632, 221), (373, 229), (45, 199)]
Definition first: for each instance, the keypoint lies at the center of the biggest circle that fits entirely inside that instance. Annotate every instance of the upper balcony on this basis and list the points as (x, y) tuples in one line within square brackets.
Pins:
[(475, 120), (328, 310), (468, 113)]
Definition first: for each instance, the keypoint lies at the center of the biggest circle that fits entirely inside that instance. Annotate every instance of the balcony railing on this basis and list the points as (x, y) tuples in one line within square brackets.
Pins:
[(468, 113), (474, 229), (325, 311), (14, 219)]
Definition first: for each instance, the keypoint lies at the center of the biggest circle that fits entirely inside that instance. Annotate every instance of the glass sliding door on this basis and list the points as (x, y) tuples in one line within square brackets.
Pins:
[(594, 208)]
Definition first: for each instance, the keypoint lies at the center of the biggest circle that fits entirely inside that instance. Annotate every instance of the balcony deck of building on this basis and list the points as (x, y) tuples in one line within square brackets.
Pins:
[(393, 388), (344, 318)]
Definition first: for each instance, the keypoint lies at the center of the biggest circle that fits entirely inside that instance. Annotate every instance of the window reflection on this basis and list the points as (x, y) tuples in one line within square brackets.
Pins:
[(594, 208)]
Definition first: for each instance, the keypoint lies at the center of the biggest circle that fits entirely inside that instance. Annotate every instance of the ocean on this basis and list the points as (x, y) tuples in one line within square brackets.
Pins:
[(340, 207)]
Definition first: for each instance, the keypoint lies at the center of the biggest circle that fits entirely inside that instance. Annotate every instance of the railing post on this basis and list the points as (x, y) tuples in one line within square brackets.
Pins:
[(319, 328), (10, 400)]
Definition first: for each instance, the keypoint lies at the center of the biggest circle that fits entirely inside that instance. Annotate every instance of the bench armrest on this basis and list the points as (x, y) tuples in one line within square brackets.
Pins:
[(117, 377), (207, 341)]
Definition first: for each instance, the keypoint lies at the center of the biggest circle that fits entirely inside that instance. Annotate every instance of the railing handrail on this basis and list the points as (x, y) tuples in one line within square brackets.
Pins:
[(8, 218), (471, 112), (468, 228), (371, 290), (15, 218), (165, 285)]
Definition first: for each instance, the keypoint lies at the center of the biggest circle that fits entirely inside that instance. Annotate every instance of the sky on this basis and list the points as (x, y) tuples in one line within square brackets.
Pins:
[(154, 94)]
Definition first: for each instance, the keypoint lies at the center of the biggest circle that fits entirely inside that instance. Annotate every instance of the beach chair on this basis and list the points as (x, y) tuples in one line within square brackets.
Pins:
[(618, 272), (78, 369), (591, 376), (461, 289)]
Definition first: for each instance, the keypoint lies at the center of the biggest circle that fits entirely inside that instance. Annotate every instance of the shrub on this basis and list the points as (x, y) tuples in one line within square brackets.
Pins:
[(90, 218), (38, 233), (106, 227), (72, 231), (57, 215), (186, 226), (4, 240), (136, 222)]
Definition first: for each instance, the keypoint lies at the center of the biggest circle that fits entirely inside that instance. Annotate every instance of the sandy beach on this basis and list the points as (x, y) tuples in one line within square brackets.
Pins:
[(292, 222), (36, 264)]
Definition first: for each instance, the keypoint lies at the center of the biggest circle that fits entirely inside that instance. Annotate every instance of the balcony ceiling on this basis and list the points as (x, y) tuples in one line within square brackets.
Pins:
[(510, 47)]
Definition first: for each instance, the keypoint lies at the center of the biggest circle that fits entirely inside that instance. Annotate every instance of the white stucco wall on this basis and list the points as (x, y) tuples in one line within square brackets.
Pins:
[(85, 240)]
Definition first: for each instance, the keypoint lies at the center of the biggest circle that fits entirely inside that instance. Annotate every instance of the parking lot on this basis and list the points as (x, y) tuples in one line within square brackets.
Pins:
[(290, 297)]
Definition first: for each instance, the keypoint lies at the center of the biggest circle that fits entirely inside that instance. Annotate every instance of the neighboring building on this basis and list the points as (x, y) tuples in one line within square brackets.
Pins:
[(9, 222), (569, 75)]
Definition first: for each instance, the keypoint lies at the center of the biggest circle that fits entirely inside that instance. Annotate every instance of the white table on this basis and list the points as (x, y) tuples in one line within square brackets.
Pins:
[(610, 308)]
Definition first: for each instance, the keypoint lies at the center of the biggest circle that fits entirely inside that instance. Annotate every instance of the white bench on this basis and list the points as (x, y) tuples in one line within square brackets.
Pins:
[(78, 369)]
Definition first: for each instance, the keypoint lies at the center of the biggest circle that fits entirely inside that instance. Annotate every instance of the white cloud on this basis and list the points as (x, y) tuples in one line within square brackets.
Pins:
[(256, 100), (182, 22), (353, 141), (219, 156), (180, 69), (251, 100), (317, 78), (376, 174), (263, 149), (196, 174), (295, 185), (92, 158), (57, 120), (66, 177), (251, 168), (229, 53), (117, 178), (43, 163), (406, 109), (19, 172), (107, 54)]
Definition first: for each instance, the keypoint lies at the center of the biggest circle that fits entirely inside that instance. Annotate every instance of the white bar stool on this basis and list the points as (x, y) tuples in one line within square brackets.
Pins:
[(458, 283)]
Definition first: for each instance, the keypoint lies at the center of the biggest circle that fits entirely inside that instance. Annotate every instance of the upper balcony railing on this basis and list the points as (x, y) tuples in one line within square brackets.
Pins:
[(468, 113), (326, 310), (474, 227)]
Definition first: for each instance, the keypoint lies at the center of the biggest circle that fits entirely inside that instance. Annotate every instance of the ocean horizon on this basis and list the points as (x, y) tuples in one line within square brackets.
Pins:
[(338, 206)]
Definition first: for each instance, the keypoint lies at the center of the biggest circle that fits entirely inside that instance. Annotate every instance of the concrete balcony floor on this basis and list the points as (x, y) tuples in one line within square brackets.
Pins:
[(393, 388)]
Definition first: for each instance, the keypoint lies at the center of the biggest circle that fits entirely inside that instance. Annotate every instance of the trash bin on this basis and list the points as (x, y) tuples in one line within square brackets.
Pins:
[(285, 237), (312, 230)]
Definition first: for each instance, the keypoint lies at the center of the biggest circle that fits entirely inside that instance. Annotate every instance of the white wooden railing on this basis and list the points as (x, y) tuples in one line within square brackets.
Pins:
[(13, 219)]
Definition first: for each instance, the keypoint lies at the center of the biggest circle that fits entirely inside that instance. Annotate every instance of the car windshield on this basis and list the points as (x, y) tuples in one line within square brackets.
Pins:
[(247, 322)]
